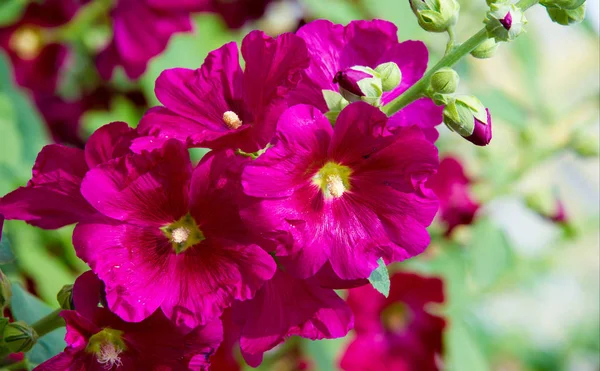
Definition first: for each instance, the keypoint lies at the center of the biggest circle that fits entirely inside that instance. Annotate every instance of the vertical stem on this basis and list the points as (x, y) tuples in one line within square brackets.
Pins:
[(451, 40), (49, 323)]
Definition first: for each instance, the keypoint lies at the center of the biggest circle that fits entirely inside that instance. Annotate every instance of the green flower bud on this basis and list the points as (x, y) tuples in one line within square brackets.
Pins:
[(359, 83), (467, 116), (567, 17), (441, 99), (65, 297), (505, 22), (390, 75), (444, 81), (562, 4), (486, 49), (5, 291), (19, 337), (435, 15), (585, 142)]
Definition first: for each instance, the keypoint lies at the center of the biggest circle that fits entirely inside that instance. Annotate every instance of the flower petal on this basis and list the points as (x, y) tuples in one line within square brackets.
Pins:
[(108, 142)]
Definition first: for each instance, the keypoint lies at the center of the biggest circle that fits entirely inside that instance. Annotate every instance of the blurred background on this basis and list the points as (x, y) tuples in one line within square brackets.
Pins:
[(521, 278)]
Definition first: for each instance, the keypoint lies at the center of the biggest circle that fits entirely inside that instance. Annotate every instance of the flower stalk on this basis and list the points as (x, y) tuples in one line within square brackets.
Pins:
[(49, 323)]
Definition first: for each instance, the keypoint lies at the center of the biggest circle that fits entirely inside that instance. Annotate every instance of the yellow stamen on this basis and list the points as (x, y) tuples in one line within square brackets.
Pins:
[(232, 120)]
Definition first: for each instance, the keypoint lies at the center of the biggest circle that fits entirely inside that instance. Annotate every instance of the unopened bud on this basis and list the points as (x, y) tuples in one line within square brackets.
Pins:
[(359, 84), (19, 337), (505, 22), (390, 75), (65, 297), (444, 81), (435, 15), (584, 141), (567, 17), (5, 291), (562, 4), (486, 49), (467, 116)]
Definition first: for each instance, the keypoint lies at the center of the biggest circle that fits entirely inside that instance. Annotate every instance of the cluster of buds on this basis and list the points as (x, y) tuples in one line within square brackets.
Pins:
[(436, 15), (504, 21)]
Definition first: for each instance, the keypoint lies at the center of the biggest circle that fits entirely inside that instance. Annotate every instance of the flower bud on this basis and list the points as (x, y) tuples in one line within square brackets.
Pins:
[(504, 22), (65, 297), (567, 17), (435, 15), (19, 337), (390, 75), (444, 81), (563, 4), (468, 117), (359, 84), (486, 49), (5, 291)]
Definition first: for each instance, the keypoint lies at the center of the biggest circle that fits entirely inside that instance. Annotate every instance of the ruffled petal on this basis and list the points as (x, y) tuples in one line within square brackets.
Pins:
[(147, 189), (88, 291), (134, 264), (287, 306), (52, 198), (108, 142)]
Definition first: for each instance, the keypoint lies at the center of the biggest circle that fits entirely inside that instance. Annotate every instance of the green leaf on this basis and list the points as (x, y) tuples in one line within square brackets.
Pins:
[(6, 254), (11, 11), (325, 353), (489, 254), (380, 278), (26, 307), (463, 352)]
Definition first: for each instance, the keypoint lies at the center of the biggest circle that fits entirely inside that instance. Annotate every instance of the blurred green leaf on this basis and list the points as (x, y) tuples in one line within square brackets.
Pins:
[(489, 254), (6, 254), (325, 353), (26, 307), (11, 11), (463, 352), (121, 109), (380, 278)]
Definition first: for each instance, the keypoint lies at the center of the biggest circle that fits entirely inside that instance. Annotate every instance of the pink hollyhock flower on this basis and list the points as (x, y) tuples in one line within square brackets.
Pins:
[(37, 61), (287, 306), (348, 195), (335, 48), (98, 340), (52, 198), (171, 238), (142, 29), (396, 333), (452, 186), (244, 105), (225, 358)]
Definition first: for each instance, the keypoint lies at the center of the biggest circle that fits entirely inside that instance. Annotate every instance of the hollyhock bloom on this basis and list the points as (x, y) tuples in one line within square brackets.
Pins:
[(335, 48), (396, 333), (349, 194), (452, 186), (172, 237), (287, 306), (244, 105), (142, 29), (225, 358), (37, 61), (98, 340), (52, 198)]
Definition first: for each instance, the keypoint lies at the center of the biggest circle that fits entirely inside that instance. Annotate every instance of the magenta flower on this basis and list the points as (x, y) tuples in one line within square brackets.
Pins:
[(37, 61), (172, 237), (335, 48), (396, 333), (98, 340), (287, 306), (348, 195), (142, 29), (52, 198), (453, 188), (244, 105)]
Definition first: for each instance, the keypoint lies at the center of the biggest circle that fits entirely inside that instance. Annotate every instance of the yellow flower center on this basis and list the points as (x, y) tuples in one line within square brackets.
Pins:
[(232, 120), (183, 233), (333, 179), (396, 317), (26, 42), (107, 345)]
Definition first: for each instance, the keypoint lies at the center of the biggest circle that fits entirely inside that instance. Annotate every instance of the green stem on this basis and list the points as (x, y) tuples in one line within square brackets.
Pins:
[(452, 56), (49, 323), (451, 40)]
